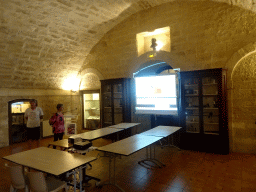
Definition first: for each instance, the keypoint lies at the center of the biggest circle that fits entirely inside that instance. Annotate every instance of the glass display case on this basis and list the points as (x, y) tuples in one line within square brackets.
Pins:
[(115, 105), (192, 105), (204, 113), (210, 106), (17, 123), (91, 107)]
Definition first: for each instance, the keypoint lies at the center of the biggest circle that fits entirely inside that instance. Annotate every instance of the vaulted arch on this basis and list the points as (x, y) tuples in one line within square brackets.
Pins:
[(241, 99), (45, 41)]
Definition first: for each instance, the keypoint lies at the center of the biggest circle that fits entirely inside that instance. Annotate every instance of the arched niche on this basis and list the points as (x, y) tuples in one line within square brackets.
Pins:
[(244, 104), (152, 68), (89, 87), (173, 60), (90, 79), (162, 62), (234, 65)]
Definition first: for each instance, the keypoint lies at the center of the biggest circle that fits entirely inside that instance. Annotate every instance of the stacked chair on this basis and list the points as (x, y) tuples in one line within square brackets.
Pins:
[(38, 183)]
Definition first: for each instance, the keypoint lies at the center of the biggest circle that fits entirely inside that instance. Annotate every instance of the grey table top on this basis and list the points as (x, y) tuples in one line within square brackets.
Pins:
[(130, 145), (96, 134), (124, 125), (49, 160), (162, 131)]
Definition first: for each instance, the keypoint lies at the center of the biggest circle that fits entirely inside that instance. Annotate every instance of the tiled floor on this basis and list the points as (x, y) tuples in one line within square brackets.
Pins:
[(185, 171)]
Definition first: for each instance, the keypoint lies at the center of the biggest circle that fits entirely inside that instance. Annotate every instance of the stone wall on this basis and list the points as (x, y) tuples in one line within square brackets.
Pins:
[(42, 42), (203, 34), (244, 105), (47, 100)]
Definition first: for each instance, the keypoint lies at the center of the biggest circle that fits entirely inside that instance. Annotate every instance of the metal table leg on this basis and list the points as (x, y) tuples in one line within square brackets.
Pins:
[(74, 184), (169, 144), (151, 158), (112, 156)]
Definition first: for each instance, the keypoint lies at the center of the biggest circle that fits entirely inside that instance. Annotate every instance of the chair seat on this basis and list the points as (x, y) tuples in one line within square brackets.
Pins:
[(39, 183), (18, 186), (18, 179), (54, 184)]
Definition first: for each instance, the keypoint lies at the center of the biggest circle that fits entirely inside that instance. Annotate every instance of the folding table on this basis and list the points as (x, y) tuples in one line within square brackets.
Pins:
[(52, 161), (126, 147), (93, 135), (159, 131), (126, 126), (96, 134), (63, 144)]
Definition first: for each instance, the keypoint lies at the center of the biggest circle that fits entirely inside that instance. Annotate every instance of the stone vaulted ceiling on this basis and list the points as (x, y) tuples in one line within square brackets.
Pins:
[(42, 42)]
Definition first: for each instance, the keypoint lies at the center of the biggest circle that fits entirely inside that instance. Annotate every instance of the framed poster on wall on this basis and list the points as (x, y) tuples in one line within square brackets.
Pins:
[(71, 129)]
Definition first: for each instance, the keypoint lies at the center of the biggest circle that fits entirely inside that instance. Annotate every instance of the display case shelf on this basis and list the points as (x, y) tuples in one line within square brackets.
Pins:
[(192, 122), (209, 95), (209, 84), (191, 85), (192, 95), (192, 132), (211, 133)]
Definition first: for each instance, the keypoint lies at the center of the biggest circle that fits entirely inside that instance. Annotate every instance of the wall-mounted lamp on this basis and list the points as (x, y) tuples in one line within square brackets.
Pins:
[(72, 83)]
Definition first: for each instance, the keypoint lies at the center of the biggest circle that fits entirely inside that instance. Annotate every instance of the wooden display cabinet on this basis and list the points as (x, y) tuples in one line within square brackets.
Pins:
[(204, 111), (16, 120), (115, 101)]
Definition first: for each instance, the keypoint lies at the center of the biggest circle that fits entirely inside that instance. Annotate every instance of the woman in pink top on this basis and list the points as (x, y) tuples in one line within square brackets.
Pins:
[(57, 122)]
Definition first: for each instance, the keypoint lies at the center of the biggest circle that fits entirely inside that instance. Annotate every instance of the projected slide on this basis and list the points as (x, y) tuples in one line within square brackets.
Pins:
[(156, 95)]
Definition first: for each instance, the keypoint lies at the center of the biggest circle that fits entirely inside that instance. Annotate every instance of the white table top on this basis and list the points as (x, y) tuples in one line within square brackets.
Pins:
[(49, 160), (124, 125), (161, 131), (130, 145), (98, 133)]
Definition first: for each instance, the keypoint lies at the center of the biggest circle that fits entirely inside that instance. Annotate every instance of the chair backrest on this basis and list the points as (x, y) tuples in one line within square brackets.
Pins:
[(17, 177), (37, 182)]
